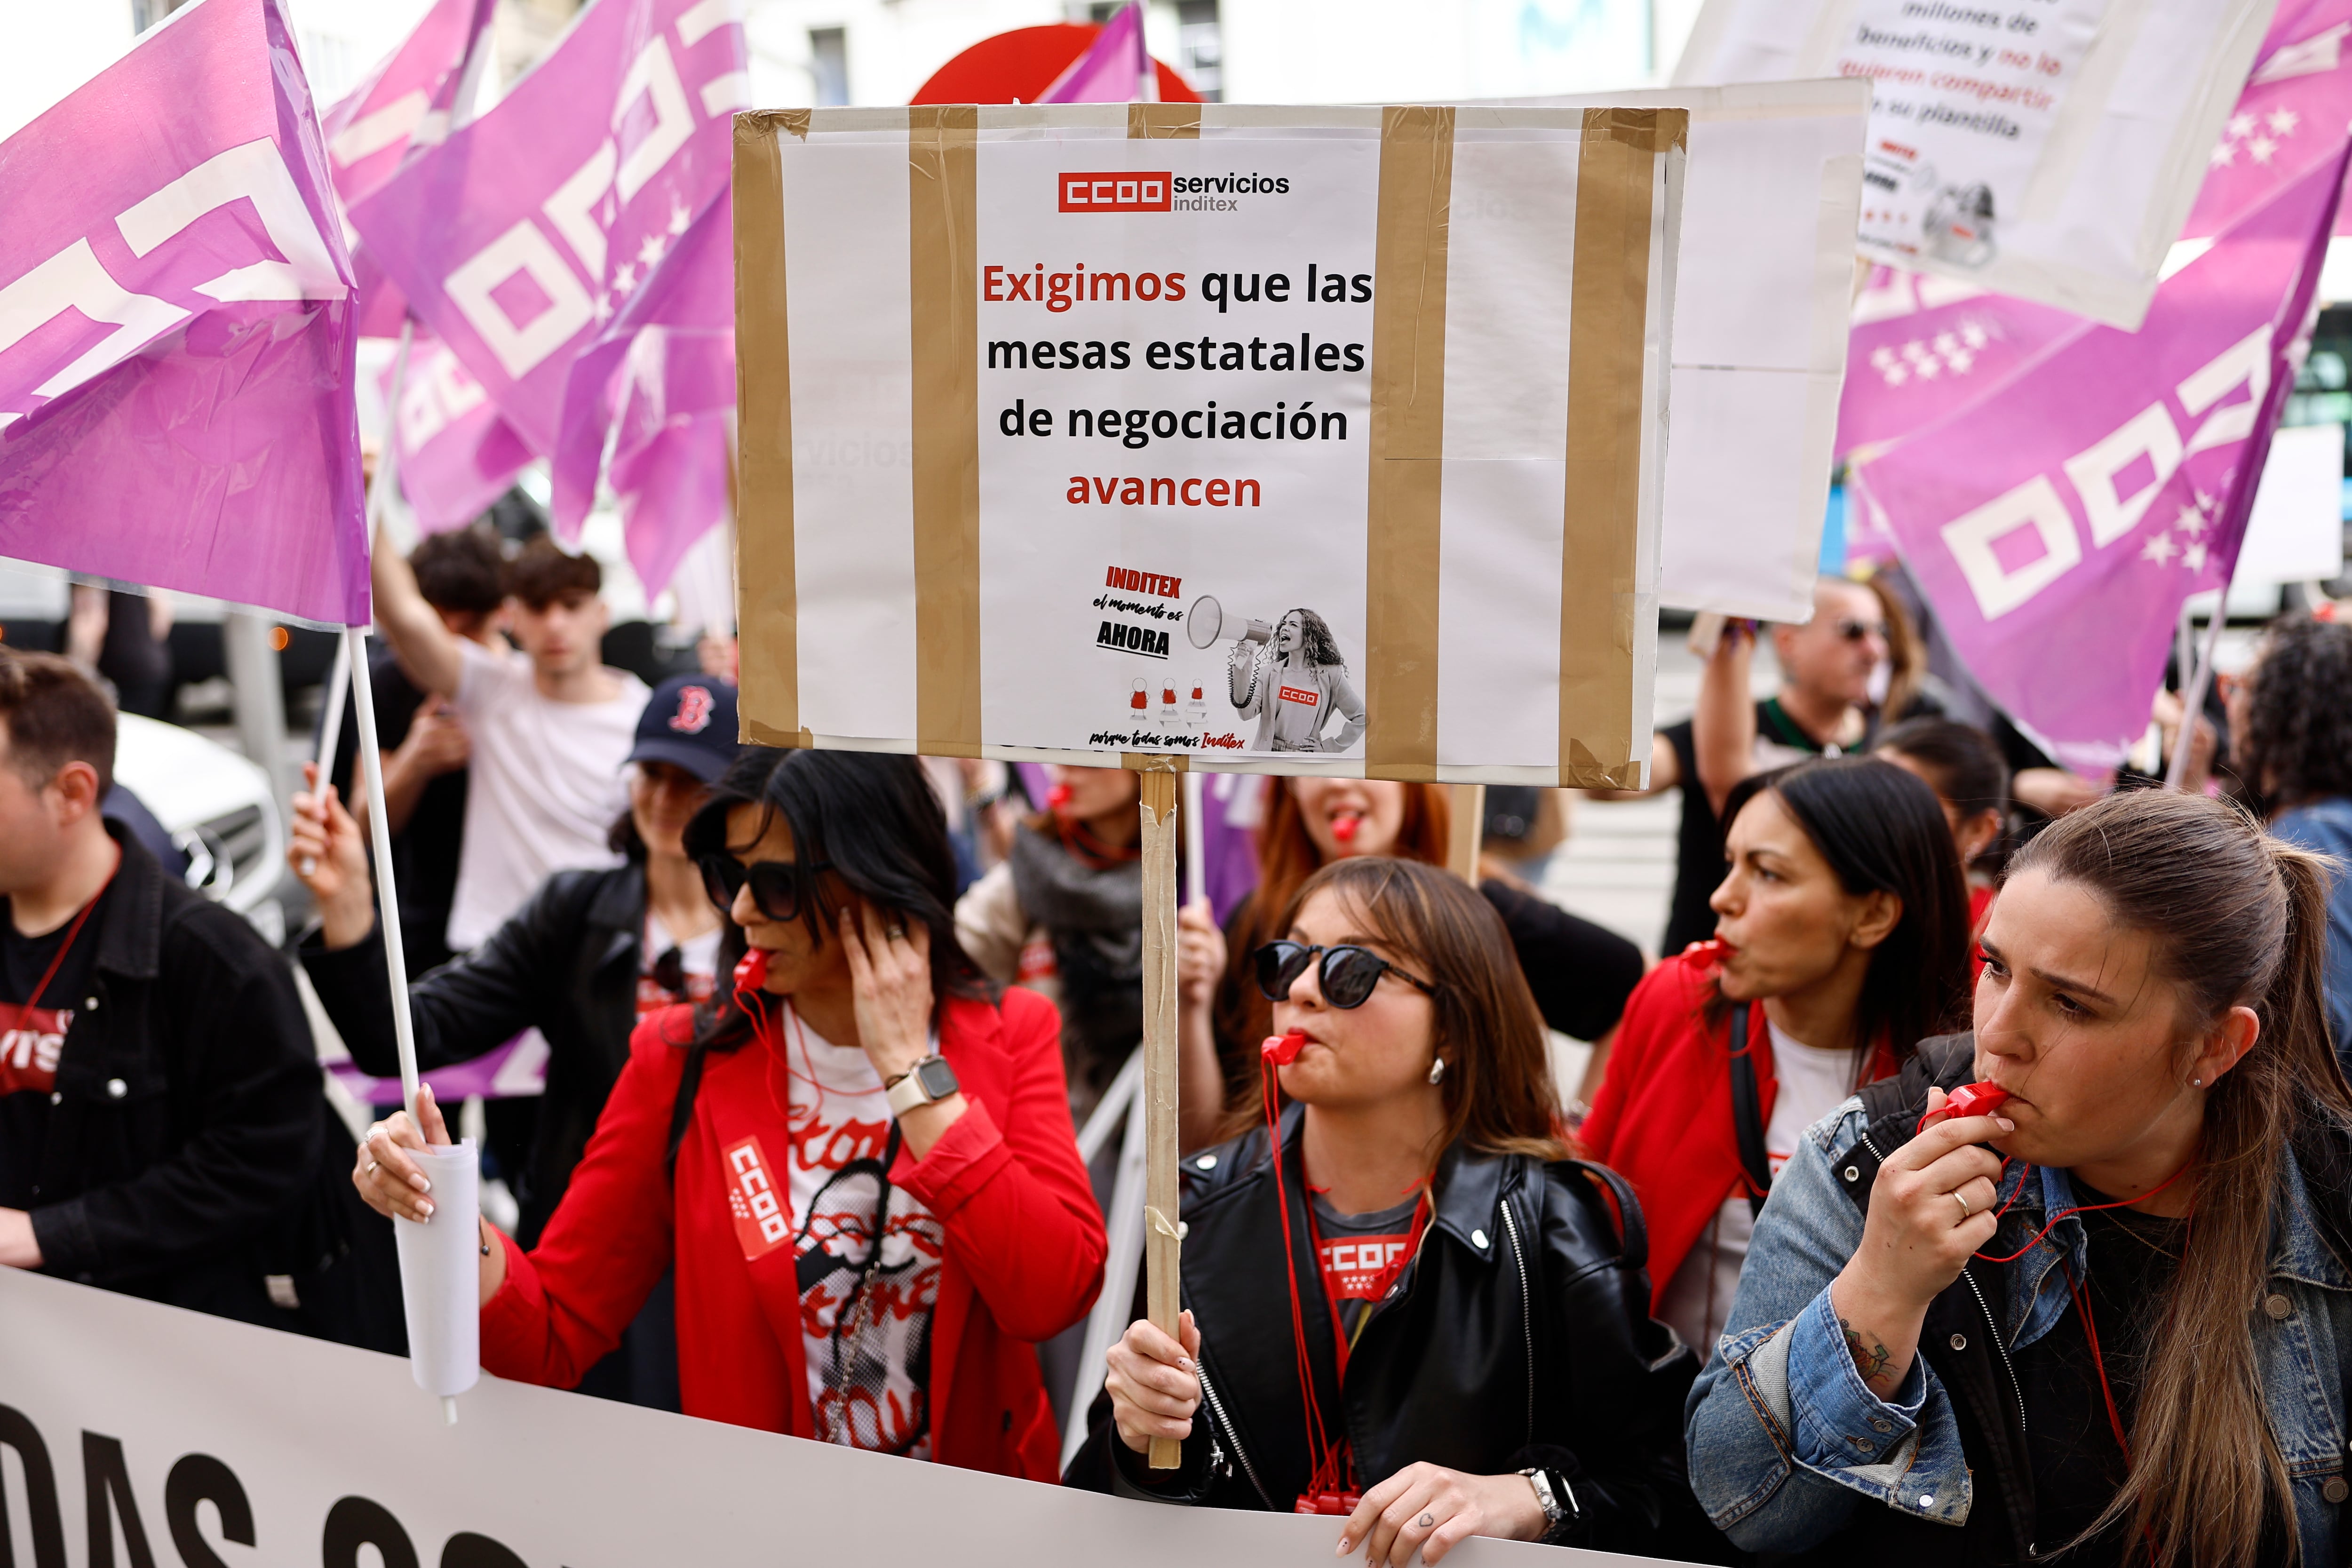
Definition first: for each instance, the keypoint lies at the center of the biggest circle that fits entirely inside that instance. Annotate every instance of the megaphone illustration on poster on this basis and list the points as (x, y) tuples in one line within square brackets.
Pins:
[(1209, 622)]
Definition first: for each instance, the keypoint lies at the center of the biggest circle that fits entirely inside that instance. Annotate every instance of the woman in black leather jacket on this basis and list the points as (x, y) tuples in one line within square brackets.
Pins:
[(1458, 1342)]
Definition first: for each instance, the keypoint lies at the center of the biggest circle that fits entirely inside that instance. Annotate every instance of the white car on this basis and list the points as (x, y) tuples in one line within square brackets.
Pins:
[(219, 808)]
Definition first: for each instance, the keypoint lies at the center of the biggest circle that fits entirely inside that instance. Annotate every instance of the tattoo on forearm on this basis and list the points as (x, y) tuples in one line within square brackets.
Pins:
[(1870, 1358)]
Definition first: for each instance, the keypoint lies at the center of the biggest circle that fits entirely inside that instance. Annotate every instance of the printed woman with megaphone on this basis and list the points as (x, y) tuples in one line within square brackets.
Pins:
[(1289, 677)]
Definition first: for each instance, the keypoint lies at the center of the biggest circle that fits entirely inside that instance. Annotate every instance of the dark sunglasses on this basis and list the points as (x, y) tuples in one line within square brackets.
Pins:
[(1346, 975), (1852, 630), (778, 886)]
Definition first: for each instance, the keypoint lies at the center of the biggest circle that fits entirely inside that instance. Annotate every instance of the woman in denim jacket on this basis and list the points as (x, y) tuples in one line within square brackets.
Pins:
[(2001, 1337)]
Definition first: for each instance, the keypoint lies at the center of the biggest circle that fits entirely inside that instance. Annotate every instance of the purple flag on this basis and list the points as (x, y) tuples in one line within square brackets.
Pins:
[(520, 237), (404, 104), (457, 456), (175, 328), (1924, 348), (661, 379), (1114, 70), (2057, 527)]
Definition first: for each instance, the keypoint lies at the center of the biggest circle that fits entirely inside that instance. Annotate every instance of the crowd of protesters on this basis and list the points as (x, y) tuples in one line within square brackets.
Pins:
[(821, 1028)]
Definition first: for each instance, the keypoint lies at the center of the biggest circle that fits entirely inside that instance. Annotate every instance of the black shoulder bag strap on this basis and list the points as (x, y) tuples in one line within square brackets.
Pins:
[(1748, 1113)]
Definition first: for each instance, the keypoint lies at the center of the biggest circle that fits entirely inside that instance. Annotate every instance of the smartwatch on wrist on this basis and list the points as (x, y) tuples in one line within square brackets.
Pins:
[(1557, 1500), (928, 1080)]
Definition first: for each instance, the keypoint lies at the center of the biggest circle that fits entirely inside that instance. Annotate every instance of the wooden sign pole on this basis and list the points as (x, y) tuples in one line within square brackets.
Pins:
[(1467, 829), (1162, 1237)]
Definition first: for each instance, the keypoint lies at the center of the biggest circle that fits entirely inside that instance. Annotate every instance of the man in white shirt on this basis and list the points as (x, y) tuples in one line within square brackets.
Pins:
[(550, 725)]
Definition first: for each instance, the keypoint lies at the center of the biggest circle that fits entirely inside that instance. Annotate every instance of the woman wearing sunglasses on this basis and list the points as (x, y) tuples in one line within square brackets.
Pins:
[(1404, 1304), (1840, 941), (591, 954), (859, 1167), (1581, 973)]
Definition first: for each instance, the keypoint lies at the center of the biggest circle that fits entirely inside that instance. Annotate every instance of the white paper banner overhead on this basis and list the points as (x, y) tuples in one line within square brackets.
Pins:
[(1305, 440), (1763, 291), (128, 1418), (2049, 149)]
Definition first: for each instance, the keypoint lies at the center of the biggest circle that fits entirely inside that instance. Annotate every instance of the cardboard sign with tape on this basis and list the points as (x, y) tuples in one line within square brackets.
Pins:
[(1350, 421)]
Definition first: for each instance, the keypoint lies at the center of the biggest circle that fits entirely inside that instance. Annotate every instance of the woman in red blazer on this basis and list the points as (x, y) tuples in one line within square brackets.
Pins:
[(860, 1169), (1842, 936)]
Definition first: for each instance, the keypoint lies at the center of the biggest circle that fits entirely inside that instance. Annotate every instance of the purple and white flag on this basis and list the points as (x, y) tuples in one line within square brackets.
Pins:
[(662, 381), (176, 335), (404, 104), (522, 235), (1116, 68), (457, 456), (2056, 527), (1924, 348)]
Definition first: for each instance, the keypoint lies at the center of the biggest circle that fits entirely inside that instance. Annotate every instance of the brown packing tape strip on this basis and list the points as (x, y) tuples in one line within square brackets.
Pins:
[(1608, 309), (1408, 437), (943, 291), (767, 610), (1155, 761), (1163, 122)]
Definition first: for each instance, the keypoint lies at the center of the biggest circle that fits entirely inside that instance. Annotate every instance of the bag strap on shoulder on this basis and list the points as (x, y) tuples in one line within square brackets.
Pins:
[(1748, 1113), (1632, 1231)]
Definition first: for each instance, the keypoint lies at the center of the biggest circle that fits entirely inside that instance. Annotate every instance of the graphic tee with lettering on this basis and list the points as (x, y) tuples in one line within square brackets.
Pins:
[(32, 1031), (868, 1381), (1360, 1255)]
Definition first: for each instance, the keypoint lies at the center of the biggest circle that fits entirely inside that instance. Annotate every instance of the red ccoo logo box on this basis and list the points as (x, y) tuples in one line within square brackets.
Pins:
[(1118, 192)]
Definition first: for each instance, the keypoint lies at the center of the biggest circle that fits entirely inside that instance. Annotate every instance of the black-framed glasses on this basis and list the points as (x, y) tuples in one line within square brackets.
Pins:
[(1852, 630), (778, 886), (1346, 975)]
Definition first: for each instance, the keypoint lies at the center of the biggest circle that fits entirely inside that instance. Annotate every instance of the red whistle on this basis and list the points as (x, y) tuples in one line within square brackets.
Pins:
[(1342, 1503), (1973, 1100), (1343, 828), (752, 971), (1282, 1050), (1057, 797)]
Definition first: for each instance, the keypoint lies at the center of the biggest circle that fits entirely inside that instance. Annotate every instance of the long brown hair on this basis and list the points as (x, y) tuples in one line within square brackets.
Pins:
[(1499, 1092), (2237, 919), (1287, 856)]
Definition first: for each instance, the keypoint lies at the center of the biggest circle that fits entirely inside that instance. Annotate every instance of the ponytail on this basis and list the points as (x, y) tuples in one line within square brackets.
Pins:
[(2237, 919)]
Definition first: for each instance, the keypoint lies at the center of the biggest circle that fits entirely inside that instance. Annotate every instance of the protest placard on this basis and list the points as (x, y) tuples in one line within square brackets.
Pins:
[(2049, 151), (1763, 292), (197, 1441), (1324, 440)]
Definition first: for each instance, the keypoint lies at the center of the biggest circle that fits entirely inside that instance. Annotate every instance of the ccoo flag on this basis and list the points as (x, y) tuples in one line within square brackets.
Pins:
[(405, 105), (176, 332), (2057, 527)]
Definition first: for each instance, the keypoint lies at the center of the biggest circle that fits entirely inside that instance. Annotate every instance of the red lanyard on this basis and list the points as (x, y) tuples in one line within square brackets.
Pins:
[(1341, 1343), (56, 960)]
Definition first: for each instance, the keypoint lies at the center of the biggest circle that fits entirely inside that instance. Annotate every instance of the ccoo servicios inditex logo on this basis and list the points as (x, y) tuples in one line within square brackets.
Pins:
[(1129, 191)]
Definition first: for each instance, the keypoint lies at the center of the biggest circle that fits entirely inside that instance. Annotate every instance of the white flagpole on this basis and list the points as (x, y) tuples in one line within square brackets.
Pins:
[(2192, 701), (330, 722), (403, 1027)]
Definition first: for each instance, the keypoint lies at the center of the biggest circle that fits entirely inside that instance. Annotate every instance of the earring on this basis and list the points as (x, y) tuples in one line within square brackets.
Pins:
[(1437, 1070), (2197, 1083)]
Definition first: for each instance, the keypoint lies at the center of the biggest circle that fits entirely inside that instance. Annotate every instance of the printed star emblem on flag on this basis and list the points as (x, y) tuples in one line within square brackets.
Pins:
[(680, 220), (650, 252), (624, 279), (2283, 122), (2261, 147), (2193, 558), (2160, 549), (2191, 521)]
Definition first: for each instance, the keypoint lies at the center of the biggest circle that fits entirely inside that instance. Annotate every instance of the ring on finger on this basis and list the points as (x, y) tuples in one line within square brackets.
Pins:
[(1967, 1213), (895, 933), (371, 1168)]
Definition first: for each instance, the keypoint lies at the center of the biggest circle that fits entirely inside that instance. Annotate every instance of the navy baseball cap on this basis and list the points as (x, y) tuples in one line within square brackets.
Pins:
[(689, 722)]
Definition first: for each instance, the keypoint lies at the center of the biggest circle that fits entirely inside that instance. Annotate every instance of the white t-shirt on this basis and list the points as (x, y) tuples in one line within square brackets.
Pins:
[(868, 1386), (1812, 1083), (698, 966), (544, 785)]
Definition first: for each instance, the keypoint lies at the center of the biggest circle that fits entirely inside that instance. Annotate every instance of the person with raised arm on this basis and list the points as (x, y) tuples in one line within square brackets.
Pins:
[(2101, 1312), (858, 1165)]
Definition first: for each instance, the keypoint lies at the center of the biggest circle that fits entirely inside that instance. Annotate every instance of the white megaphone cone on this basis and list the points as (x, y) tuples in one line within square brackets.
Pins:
[(1208, 623)]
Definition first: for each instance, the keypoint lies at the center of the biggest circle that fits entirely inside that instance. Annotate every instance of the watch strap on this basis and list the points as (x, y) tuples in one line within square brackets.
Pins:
[(909, 1090)]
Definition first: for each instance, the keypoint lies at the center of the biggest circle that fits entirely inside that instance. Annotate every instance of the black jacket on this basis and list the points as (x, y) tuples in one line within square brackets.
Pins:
[(566, 963), (1522, 1336), (184, 1155)]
